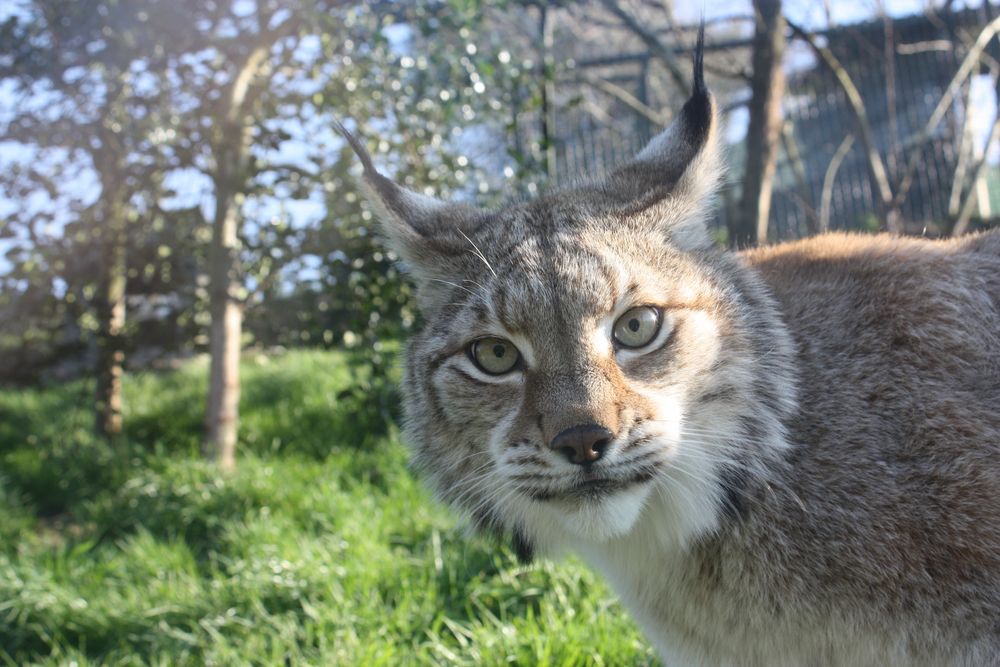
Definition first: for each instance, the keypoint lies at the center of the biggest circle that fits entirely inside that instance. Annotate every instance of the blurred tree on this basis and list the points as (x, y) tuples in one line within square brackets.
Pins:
[(227, 93), (426, 92), (218, 191), (81, 77), (891, 193), (767, 87), (259, 86)]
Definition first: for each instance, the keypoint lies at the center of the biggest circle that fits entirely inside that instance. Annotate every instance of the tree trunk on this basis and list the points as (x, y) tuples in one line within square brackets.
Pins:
[(110, 304), (222, 413), (764, 131), (546, 70), (110, 310), (225, 306)]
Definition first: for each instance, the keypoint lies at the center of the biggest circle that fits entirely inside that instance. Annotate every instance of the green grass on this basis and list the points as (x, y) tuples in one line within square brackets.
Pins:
[(320, 549)]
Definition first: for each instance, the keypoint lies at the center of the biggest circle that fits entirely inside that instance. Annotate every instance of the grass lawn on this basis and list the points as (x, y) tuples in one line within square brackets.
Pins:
[(320, 549)]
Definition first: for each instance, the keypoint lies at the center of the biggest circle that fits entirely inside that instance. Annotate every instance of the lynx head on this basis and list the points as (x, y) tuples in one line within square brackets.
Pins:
[(590, 360)]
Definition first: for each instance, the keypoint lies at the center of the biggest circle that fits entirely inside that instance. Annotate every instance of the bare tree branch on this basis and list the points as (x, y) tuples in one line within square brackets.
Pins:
[(239, 92), (799, 169), (962, 224), (888, 208), (652, 41), (914, 48), (964, 154), (829, 178), (546, 66), (971, 58), (890, 90), (660, 119), (744, 74)]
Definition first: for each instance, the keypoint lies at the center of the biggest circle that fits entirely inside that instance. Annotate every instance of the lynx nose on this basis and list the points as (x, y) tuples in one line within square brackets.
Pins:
[(582, 444)]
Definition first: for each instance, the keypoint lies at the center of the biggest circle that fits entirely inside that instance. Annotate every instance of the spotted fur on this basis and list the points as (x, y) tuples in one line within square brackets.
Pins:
[(805, 462)]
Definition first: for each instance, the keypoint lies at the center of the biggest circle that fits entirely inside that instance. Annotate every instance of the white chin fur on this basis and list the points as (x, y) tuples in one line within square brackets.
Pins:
[(593, 520), (610, 516)]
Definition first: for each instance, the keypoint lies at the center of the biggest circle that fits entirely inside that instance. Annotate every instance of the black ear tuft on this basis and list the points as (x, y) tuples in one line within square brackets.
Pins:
[(680, 166), (430, 236), (523, 548), (394, 198), (699, 61), (697, 111), (358, 147)]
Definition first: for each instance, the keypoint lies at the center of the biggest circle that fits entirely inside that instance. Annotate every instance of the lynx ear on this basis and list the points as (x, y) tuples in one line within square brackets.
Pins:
[(429, 235), (671, 181)]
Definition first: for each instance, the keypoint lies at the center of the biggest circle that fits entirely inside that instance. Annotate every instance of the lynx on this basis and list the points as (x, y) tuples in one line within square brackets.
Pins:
[(786, 456)]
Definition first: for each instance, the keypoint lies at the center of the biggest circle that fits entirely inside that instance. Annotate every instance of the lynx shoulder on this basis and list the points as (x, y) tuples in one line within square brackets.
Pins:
[(786, 456)]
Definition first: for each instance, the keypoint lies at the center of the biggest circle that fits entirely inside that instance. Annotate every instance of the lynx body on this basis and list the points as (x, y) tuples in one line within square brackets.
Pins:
[(789, 456)]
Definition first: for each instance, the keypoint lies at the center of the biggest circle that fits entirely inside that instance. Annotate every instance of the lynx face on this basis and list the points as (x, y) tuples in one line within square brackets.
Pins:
[(589, 354), (558, 397)]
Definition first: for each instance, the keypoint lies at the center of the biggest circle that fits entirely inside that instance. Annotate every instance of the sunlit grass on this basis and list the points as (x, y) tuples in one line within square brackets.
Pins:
[(321, 549)]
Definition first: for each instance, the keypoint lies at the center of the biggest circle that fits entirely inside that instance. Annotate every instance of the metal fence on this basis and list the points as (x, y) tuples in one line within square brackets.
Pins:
[(901, 68)]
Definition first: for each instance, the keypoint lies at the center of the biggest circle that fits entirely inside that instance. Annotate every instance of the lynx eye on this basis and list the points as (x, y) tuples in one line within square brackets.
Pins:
[(493, 355), (637, 327)]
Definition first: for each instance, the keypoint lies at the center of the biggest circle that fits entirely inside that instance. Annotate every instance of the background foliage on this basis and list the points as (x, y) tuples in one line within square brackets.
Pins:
[(128, 130), (320, 549)]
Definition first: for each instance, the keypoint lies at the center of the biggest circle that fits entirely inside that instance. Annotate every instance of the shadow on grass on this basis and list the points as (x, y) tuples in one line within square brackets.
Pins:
[(315, 414), (29, 415)]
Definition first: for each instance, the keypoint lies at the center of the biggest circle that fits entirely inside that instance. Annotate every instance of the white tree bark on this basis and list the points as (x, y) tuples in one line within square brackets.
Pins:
[(226, 306)]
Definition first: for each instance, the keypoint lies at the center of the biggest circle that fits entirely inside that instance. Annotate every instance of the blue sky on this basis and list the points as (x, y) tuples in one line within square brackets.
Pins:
[(193, 187)]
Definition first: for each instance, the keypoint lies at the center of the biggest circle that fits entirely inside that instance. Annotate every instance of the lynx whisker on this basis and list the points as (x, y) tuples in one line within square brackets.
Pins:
[(493, 502), (673, 496), (468, 487), (457, 463), (702, 436), (452, 284), (479, 253), (707, 482), (482, 288)]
